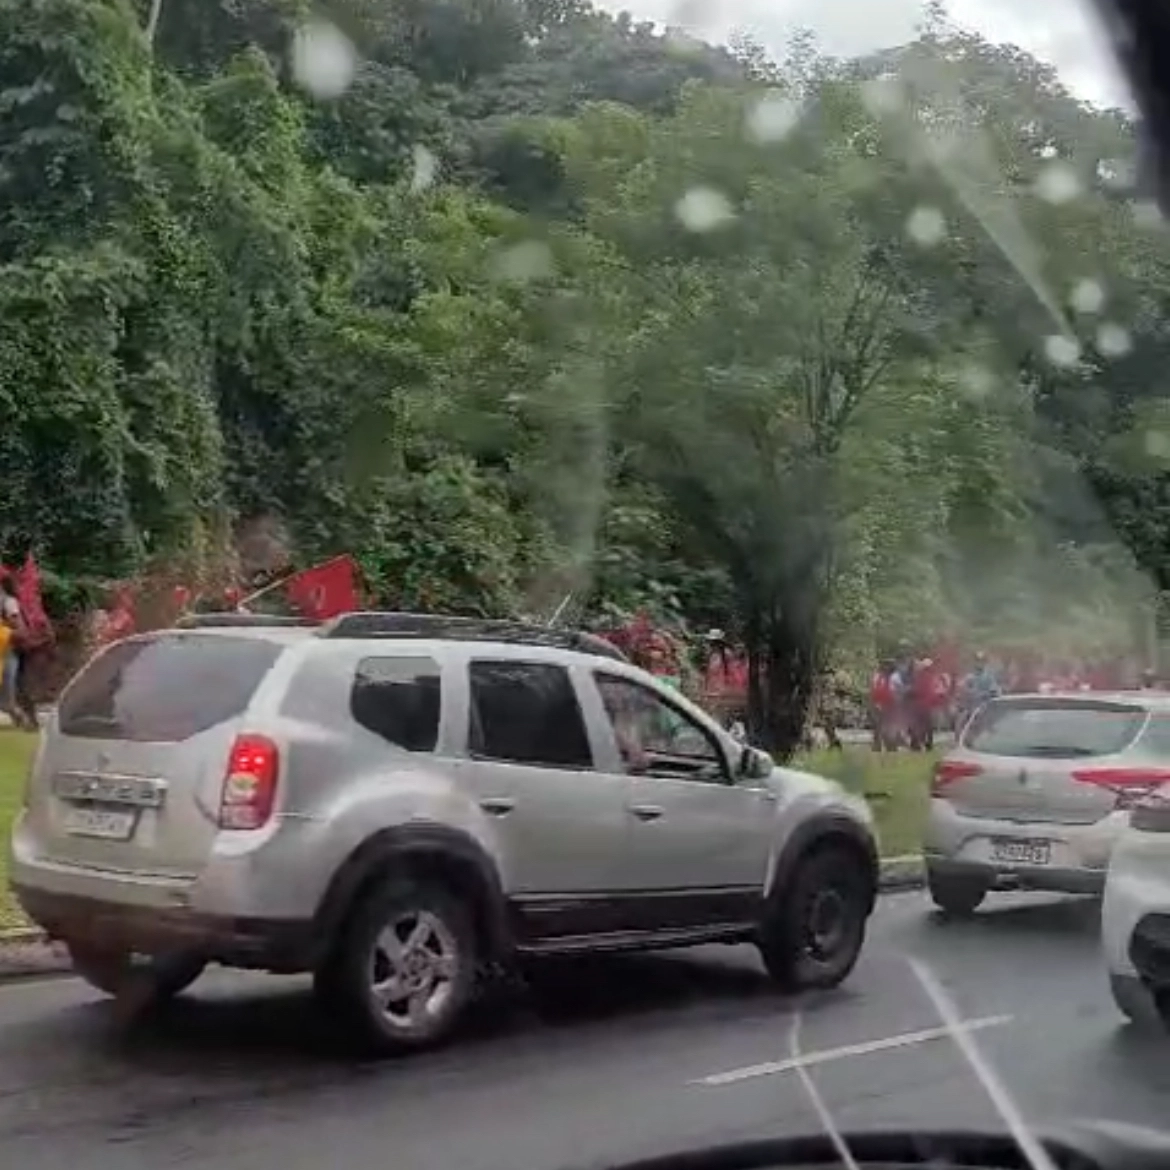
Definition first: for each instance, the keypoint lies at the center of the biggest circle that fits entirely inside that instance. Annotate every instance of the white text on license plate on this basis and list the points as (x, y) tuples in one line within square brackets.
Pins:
[(111, 824), (1021, 852)]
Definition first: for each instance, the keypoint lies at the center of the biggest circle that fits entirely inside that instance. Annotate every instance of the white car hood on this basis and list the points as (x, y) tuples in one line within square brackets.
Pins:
[(793, 783)]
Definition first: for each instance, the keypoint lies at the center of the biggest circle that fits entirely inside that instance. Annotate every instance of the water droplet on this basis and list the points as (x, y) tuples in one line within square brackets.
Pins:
[(323, 59), (1062, 350), (926, 226), (425, 169), (522, 262), (773, 117), (883, 95), (1158, 445), (703, 209), (1146, 213), (976, 382), (1113, 340), (1058, 183), (1087, 296)]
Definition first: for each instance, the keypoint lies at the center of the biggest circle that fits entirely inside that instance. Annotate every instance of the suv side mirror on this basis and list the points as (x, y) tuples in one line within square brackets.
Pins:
[(755, 764)]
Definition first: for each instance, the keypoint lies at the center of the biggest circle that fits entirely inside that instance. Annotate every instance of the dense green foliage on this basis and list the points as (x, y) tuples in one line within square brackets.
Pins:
[(528, 301)]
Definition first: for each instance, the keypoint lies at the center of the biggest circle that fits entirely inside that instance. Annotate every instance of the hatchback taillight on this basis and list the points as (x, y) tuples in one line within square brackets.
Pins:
[(1129, 783), (946, 772), (249, 784)]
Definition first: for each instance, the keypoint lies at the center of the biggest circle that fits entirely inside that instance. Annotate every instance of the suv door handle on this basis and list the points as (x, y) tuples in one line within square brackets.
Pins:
[(647, 812), (498, 806)]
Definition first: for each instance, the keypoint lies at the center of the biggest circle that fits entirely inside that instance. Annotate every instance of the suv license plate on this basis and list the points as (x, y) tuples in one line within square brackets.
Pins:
[(1009, 850), (111, 824)]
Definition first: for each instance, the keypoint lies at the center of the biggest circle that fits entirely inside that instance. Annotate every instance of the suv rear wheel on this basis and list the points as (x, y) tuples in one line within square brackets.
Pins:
[(1139, 1004), (120, 973), (812, 937), (405, 968)]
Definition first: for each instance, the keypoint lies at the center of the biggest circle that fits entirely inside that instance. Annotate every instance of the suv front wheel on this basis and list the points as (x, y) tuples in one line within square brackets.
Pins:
[(812, 936), (405, 968)]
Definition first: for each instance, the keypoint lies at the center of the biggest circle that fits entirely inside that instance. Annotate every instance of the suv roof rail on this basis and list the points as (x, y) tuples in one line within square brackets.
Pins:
[(465, 629), (213, 621)]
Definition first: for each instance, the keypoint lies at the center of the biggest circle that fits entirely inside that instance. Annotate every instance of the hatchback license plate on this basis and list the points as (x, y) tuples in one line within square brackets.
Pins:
[(1009, 850), (110, 824)]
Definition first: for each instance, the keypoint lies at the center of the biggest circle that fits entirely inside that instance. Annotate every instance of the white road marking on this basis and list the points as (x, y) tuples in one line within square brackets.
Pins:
[(905, 1040)]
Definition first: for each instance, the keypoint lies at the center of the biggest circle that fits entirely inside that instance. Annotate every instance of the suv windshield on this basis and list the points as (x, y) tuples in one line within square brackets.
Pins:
[(167, 688), (1055, 728)]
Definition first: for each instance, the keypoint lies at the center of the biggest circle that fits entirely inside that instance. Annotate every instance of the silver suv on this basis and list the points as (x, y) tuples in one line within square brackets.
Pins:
[(399, 803)]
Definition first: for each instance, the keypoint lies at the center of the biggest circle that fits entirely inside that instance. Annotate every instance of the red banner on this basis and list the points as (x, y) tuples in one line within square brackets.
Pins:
[(28, 594), (326, 590)]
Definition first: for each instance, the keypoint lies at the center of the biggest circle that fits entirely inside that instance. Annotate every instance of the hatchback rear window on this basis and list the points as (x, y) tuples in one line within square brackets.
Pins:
[(165, 689), (1053, 729)]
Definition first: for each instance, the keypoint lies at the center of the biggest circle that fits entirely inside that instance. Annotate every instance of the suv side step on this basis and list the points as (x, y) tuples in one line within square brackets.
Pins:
[(639, 940)]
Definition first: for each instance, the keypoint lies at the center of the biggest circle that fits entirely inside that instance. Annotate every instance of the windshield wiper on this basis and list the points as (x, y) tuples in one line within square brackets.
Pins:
[(1055, 751)]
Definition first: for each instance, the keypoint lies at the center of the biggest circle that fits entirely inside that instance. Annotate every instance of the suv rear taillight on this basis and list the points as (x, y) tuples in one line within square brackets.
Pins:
[(946, 772), (1129, 784), (249, 784)]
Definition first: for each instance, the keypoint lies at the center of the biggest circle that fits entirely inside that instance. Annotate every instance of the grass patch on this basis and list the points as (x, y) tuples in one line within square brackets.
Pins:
[(16, 752), (896, 784)]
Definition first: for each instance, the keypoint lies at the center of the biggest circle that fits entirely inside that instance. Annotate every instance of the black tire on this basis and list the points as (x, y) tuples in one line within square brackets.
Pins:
[(813, 934), (445, 962), (1138, 1003), (120, 973), (956, 894)]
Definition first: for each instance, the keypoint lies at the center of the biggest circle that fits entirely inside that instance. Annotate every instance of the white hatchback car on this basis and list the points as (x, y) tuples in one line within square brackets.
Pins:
[(1135, 918), (1038, 790)]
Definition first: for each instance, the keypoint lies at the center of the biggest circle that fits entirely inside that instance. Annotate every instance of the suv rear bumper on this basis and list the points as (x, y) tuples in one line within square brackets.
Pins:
[(265, 944)]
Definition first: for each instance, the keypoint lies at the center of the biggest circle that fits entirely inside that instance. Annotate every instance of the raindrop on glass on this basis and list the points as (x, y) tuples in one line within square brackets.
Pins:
[(773, 117), (1158, 445), (1058, 183), (323, 59), (975, 382), (519, 263), (1146, 213), (926, 226), (883, 95), (702, 209), (1087, 296), (425, 169), (1113, 340), (1062, 350)]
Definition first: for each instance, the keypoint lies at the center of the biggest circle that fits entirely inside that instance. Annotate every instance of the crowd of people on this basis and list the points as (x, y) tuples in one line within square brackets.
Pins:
[(912, 697)]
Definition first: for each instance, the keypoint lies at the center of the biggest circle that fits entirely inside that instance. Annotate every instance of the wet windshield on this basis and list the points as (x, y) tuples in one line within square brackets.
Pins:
[(809, 356)]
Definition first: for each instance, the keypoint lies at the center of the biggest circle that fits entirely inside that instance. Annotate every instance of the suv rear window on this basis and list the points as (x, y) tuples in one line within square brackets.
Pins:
[(398, 699), (1054, 728), (165, 689)]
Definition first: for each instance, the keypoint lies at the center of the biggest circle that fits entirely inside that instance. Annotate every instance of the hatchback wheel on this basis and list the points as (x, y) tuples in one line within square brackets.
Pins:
[(406, 967), (1138, 1003), (122, 973), (813, 936), (957, 894)]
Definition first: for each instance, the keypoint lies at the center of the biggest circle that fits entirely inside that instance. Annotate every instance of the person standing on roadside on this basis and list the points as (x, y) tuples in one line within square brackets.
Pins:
[(20, 643)]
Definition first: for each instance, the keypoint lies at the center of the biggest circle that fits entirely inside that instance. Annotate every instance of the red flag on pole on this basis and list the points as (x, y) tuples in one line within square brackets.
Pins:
[(325, 590)]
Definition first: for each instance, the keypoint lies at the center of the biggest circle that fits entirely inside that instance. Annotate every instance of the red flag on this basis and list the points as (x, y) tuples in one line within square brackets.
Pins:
[(325, 590)]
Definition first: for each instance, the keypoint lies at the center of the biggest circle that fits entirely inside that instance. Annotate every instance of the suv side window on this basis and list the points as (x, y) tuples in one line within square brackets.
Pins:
[(655, 737), (398, 699), (526, 713)]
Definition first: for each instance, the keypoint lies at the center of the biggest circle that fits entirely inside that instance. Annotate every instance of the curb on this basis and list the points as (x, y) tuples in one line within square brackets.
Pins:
[(907, 872)]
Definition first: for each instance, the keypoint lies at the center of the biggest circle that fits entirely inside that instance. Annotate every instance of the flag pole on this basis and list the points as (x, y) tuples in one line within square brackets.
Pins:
[(560, 609)]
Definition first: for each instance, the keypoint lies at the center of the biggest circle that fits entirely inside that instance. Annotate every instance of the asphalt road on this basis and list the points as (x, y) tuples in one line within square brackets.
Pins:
[(602, 1061)]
